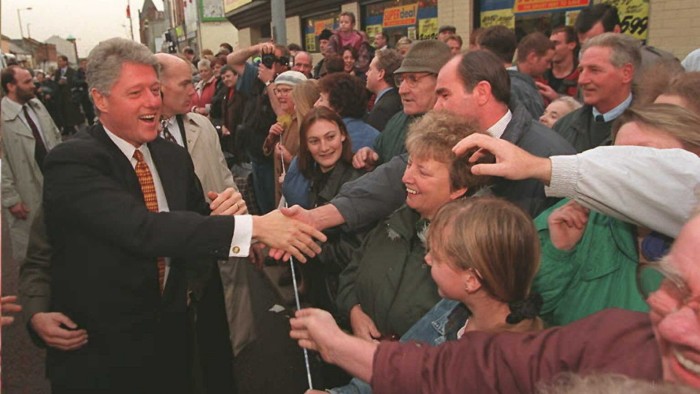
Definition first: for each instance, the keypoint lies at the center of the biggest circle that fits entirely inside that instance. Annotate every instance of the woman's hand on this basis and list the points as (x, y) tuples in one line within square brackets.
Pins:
[(276, 129), (362, 325), (567, 225)]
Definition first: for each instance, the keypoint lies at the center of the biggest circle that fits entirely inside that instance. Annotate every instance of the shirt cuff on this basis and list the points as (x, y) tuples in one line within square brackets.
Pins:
[(242, 236)]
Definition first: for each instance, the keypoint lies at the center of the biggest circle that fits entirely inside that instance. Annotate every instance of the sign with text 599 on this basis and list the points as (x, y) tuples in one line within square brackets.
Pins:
[(634, 16)]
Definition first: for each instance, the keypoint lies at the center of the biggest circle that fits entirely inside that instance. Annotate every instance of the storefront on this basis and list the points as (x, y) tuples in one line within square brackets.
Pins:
[(526, 16), (416, 20)]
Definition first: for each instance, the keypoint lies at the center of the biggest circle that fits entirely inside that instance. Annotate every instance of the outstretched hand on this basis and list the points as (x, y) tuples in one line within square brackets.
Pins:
[(284, 233), (297, 213), (512, 162), (228, 202), (315, 329), (8, 304)]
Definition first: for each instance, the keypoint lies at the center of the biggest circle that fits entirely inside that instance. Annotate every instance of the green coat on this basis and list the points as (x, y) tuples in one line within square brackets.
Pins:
[(392, 141), (598, 273), (388, 276)]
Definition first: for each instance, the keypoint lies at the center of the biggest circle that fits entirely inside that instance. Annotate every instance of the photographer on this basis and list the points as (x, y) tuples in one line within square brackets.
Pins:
[(261, 111)]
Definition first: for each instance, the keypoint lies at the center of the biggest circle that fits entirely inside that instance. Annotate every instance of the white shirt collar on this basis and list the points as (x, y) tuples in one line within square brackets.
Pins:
[(499, 127)]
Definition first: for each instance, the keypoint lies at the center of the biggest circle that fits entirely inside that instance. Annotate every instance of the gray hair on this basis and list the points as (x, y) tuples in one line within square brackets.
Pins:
[(106, 59), (204, 63), (624, 49)]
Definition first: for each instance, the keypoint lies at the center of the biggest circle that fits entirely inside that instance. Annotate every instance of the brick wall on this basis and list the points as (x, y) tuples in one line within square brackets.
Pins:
[(457, 13), (673, 25)]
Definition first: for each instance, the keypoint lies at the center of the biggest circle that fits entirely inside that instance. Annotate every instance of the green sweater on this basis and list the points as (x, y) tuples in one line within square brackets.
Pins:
[(598, 273)]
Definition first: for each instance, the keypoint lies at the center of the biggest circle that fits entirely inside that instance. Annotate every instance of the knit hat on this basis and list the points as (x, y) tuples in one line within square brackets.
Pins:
[(290, 78), (425, 56)]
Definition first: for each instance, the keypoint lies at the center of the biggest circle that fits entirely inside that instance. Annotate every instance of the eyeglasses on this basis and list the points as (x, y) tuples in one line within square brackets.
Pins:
[(662, 286), (282, 92), (411, 79)]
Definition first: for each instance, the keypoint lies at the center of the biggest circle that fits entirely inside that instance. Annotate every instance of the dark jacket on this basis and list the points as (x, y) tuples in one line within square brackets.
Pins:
[(388, 275), (387, 106), (392, 141), (523, 91), (380, 192), (105, 243), (615, 341), (67, 106), (582, 131)]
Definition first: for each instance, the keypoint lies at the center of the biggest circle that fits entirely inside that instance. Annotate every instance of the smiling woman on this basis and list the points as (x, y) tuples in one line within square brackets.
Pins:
[(387, 287)]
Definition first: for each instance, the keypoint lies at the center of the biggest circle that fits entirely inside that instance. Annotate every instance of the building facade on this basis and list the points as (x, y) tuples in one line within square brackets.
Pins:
[(667, 24)]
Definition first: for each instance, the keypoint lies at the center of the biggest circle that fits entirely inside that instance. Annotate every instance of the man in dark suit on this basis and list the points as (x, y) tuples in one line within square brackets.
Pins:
[(71, 116), (125, 215), (380, 81)]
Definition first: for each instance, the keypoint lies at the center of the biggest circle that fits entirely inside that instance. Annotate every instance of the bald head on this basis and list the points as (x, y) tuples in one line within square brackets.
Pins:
[(176, 84)]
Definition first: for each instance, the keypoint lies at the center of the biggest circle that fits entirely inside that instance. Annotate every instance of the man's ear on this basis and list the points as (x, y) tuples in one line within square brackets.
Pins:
[(99, 100), (381, 74), (627, 73)]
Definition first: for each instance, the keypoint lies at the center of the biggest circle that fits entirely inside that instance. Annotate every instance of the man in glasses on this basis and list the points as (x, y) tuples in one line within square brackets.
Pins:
[(415, 79)]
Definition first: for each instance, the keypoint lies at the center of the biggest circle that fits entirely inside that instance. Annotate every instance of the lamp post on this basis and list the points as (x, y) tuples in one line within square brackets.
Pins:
[(19, 18)]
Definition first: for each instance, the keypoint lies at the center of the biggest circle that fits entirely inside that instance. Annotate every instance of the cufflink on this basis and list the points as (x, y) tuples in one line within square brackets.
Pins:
[(235, 249)]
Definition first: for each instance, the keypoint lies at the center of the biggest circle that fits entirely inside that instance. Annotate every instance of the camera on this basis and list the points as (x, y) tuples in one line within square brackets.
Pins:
[(268, 60)]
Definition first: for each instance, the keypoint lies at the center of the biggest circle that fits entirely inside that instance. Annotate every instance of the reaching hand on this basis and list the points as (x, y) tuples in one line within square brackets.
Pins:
[(276, 129), (227, 203), (362, 325), (567, 225), (511, 162), (8, 304), (281, 232), (297, 213), (315, 329), (546, 91), (365, 158), (58, 331)]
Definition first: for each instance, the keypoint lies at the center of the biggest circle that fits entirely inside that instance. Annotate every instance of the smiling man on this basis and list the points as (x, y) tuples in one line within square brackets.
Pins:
[(608, 65), (126, 216), (415, 79)]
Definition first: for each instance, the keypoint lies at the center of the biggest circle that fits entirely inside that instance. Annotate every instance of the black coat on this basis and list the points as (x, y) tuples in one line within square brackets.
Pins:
[(387, 106), (104, 274)]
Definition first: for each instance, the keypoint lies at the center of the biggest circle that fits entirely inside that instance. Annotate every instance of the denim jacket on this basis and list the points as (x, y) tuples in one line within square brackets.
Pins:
[(440, 324)]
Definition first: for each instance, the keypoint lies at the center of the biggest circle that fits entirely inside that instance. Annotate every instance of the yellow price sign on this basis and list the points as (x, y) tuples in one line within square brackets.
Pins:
[(427, 28), (634, 17), (503, 17)]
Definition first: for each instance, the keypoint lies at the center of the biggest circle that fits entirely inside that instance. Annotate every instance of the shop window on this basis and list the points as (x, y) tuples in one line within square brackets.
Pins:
[(416, 20), (313, 27)]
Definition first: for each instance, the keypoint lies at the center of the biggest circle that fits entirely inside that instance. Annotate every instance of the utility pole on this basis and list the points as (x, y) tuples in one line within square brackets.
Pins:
[(279, 26)]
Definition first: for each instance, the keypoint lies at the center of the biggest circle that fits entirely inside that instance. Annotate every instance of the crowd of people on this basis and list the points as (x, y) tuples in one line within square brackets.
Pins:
[(455, 217)]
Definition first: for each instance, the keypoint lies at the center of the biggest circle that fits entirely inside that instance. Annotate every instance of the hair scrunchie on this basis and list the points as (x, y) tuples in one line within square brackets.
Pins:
[(528, 308)]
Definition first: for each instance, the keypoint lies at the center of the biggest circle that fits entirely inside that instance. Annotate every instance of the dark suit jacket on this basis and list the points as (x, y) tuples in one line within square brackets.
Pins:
[(103, 266), (387, 106)]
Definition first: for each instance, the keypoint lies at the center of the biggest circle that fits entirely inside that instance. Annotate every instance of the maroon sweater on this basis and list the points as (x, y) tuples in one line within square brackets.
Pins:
[(611, 341)]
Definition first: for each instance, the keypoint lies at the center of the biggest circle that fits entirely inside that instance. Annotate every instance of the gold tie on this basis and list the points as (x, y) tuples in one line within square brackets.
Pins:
[(148, 189)]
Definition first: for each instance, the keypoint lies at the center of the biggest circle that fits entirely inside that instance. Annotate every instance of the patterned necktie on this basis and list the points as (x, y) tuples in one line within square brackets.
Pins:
[(167, 135), (39, 147), (148, 189)]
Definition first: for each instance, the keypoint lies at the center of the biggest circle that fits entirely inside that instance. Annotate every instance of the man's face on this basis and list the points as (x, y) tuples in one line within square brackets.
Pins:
[(279, 68), (132, 108), (178, 89), (83, 65), (674, 310), (374, 76), (323, 44), (455, 48), (603, 85), (541, 64), (417, 92), (562, 49), (205, 73), (596, 30), (61, 62), (23, 89), (302, 63), (379, 41), (452, 95)]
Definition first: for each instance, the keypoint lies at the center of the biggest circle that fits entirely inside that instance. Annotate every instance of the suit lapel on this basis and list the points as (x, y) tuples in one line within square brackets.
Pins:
[(191, 132), (123, 168), (167, 171)]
